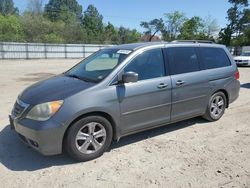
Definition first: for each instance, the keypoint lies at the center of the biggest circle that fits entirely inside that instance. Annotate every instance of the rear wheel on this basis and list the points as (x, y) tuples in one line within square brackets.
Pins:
[(88, 138), (216, 107)]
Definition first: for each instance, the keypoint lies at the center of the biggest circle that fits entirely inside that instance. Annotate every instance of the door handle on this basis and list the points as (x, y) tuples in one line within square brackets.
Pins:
[(162, 86), (180, 82)]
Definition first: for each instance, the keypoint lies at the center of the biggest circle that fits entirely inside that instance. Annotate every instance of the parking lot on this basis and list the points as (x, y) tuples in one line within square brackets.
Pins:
[(192, 153)]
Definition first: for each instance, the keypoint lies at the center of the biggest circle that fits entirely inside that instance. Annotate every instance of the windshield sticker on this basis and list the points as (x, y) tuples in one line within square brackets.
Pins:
[(124, 52)]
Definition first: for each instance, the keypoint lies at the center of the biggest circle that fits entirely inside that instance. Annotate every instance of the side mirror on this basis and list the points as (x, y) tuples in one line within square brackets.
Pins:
[(129, 77)]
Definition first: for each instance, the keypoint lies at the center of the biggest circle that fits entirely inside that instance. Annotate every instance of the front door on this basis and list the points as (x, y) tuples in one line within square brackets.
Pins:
[(146, 103)]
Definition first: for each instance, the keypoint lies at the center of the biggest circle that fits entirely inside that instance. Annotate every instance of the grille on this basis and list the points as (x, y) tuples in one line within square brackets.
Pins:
[(241, 61), (19, 108)]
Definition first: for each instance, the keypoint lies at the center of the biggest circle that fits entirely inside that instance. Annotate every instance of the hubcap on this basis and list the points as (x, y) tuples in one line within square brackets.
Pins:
[(217, 106), (90, 138)]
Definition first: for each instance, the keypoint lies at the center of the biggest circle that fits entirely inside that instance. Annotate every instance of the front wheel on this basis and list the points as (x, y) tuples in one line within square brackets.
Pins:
[(88, 138), (216, 107)]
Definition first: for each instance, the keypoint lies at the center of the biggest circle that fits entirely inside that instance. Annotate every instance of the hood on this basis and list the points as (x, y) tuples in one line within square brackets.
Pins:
[(242, 58), (55, 88)]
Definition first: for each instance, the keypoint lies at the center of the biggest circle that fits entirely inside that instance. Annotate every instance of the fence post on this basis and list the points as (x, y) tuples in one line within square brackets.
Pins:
[(65, 51), (83, 51), (2, 50), (45, 51), (27, 51)]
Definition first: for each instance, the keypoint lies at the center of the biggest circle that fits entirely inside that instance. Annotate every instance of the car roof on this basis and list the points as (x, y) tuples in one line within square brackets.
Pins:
[(136, 46)]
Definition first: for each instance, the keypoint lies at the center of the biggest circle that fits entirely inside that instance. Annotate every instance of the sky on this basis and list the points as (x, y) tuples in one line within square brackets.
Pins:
[(129, 13)]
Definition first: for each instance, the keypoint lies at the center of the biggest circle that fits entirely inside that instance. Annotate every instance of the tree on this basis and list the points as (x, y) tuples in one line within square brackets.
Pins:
[(128, 36), (73, 32), (92, 22), (40, 29), (244, 22), (238, 18), (211, 27), (11, 29), (35, 6), (225, 36), (63, 10), (7, 7), (111, 34), (247, 36), (174, 22), (192, 29), (236, 14), (153, 27)]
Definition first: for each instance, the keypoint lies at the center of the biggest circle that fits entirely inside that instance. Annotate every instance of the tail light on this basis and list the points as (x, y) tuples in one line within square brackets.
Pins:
[(237, 75)]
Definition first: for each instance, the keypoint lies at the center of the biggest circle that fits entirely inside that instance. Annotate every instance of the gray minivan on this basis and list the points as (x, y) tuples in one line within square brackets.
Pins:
[(122, 90)]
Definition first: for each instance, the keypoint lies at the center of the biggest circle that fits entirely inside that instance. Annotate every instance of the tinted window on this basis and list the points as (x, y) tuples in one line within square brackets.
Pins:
[(148, 65), (182, 60), (213, 58)]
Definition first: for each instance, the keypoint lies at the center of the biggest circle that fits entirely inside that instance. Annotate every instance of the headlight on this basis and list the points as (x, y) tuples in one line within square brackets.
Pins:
[(44, 111)]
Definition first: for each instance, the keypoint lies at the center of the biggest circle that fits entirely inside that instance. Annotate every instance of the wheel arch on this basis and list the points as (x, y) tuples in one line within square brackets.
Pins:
[(94, 113), (226, 94)]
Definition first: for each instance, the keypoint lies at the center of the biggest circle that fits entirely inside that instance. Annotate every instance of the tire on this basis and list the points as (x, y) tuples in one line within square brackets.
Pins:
[(216, 107), (88, 138)]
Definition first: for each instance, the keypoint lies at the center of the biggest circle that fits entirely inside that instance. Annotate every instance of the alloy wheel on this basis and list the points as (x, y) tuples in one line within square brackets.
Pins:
[(90, 138), (217, 106)]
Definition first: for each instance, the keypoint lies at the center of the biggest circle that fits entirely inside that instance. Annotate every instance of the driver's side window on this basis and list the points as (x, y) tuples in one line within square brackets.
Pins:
[(149, 64)]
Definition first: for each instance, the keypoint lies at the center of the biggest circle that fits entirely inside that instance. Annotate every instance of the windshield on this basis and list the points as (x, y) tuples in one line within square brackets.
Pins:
[(99, 65), (245, 54)]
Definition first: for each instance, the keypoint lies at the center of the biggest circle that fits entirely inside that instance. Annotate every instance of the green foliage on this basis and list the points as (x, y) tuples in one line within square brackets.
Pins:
[(39, 29), (57, 10), (73, 32), (7, 7), (52, 38), (128, 36), (192, 29), (111, 34), (239, 19), (177, 26), (36, 26), (92, 22), (225, 36), (11, 29), (174, 22), (152, 27), (63, 21)]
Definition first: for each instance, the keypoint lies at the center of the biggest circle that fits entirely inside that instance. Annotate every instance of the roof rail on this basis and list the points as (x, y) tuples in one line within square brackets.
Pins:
[(194, 41)]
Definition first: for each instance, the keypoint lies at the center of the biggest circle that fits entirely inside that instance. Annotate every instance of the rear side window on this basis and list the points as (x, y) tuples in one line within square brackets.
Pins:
[(213, 58), (182, 60)]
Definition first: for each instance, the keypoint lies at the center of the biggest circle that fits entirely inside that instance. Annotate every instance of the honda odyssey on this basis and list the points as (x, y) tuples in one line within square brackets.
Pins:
[(122, 90)]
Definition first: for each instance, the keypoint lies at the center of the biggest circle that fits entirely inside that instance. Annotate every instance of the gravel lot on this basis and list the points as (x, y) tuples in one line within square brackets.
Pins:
[(192, 153)]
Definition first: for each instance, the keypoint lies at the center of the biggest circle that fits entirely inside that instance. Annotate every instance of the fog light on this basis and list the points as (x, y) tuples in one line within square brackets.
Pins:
[(33, 143)]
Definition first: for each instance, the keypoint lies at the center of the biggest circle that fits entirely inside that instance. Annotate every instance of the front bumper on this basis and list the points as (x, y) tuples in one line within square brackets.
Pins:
[(45, 137), (243, 64)]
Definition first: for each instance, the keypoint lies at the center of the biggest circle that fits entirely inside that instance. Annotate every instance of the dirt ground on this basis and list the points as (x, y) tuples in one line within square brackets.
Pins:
[(192, 153)]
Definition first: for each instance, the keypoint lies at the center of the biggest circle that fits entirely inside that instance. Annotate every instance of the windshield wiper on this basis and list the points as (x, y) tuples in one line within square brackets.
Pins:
[(73, 76), (79, 78)]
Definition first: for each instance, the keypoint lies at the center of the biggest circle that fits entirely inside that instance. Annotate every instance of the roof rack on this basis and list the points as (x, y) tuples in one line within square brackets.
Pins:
[(194, 41)]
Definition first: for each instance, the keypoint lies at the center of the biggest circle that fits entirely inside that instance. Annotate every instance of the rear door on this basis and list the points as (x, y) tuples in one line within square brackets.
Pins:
[(147, 102), (220, 72), (189, 84)]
